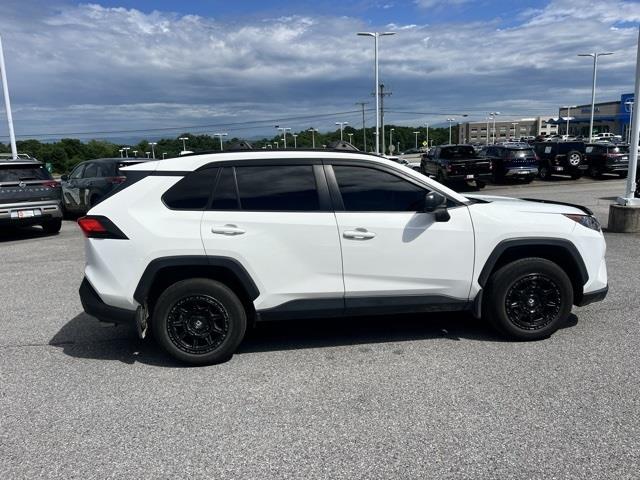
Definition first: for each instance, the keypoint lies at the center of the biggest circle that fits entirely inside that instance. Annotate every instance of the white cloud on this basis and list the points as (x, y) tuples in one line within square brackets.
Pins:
[(94, 68), (439, 3)]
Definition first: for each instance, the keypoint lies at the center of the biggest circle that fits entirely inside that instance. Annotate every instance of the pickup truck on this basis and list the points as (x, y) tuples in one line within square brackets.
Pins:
[(456, 163)]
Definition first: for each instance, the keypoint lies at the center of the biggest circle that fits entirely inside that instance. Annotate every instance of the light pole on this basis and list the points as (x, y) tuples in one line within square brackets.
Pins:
[(488, 119), (515, 124), (147, 154), (126, 151), (135, 153), (569, 107), (494, 115), (450, 120), (376, 36), (284, 131), (391, 140), (184, 144), (364, 128), (269, 145), (427, 135), (153, 150), (121, 150), (350, 135), (164, 154), (313, 137), (220, 135), (595, 56), (342, 124), (7, 104), (416, 134), (295, 140)]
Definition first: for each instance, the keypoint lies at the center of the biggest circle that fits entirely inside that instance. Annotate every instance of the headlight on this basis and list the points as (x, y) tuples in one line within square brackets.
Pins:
[(585, 220)]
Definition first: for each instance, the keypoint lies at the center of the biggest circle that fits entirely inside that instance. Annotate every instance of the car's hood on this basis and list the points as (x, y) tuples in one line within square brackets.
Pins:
[(533, 204)]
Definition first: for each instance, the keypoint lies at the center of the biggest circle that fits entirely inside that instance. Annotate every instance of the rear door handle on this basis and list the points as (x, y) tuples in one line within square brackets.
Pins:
[(228, 229), (358, 234)]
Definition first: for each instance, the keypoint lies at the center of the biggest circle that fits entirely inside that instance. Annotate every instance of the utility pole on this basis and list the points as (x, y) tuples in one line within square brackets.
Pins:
[(364, 129), (7, 104)]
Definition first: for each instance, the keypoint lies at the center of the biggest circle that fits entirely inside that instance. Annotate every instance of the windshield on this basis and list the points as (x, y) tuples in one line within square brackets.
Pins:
[(619, 149), (452, 153), (17, 173)]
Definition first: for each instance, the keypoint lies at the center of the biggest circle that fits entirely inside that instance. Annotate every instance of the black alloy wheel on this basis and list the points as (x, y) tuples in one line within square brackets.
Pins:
[(533, 302)]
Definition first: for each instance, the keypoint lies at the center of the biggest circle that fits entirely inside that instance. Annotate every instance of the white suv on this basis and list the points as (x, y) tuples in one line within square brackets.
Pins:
[(198, 247)]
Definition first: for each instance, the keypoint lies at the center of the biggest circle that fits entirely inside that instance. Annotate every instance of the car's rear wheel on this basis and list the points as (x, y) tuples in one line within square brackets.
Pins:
[(545, 172), (595, 172), (528, 299), (624, 174), (52, 226), (199, 321)]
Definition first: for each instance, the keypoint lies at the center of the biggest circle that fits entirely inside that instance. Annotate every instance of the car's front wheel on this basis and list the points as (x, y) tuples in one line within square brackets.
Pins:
[(545, 172), (528, 299), (199, 321), (52, 226)]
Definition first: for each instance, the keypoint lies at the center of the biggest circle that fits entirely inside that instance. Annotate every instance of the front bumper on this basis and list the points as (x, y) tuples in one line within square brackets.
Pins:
[(592, 297), (94, 306)]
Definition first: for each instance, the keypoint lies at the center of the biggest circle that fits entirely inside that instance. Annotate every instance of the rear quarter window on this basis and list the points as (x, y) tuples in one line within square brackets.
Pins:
[(191, 192)]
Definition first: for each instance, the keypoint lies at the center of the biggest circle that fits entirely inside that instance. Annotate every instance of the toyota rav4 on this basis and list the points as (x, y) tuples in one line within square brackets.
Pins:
[(198, 248)]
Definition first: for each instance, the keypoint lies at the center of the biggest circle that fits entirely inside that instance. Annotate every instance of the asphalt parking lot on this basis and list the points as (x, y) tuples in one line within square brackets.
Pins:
[(437, 396)]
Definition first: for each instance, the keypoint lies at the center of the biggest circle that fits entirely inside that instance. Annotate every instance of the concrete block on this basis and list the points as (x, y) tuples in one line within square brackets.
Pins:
[(623, 219)]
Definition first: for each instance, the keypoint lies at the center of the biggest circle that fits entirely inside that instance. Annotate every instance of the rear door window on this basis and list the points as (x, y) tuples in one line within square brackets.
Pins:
[(78, 171), (277, 188), (91, 171)]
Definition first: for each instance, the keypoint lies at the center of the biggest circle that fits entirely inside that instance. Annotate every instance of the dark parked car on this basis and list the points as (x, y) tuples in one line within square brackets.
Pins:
[(561, 158), (449, 163), (90, 181), (29, 196), (517, 161), (607, 158)]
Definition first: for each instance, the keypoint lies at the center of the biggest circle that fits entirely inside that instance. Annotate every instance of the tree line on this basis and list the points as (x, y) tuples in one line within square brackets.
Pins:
[(64, 154)]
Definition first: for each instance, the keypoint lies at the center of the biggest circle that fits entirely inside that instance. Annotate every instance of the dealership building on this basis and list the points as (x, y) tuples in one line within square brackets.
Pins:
[(614, 117), (476, 132)]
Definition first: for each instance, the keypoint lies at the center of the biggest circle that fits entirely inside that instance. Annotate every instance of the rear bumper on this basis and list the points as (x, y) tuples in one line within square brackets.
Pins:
[(48, 210), (463, 177), (592, 297), (522, 172), (94, 306)]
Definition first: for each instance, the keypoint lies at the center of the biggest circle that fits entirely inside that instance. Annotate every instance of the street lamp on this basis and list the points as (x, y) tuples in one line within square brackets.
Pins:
[(629, 104), (416, 134), (284, 134), (121, 150), (220, 135), (147, 154), (350, 135), (313, 137), (391, 140), (126, 151), (494, 115), (164, 154), (135, 153), (376, 36), (153, 150), (450, 120), (295, 140), (342, 124), (595, 56), (569, 107), (515, 124), (184, 145)]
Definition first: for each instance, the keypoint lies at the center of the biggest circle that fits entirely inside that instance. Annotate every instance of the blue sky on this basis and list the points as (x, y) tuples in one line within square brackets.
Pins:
[(163, 67)]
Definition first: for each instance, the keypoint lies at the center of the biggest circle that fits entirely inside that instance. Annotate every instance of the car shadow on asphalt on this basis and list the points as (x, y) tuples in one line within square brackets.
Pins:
[(86, 338), (12, 234)]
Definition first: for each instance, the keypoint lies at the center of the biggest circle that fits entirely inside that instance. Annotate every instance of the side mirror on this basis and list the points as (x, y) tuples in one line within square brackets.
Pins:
[(437, 204), (64, 177)]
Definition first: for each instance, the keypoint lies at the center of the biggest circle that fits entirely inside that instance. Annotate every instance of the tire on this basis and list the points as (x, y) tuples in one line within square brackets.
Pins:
[(595, 172), (623, 174), (440, 177), (576, 176), (209, 321), (52, 226), (574, 158), (545, 172), (528, 179), (524, 315)]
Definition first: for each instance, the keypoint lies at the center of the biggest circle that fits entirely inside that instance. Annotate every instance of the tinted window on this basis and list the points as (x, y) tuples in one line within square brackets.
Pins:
[(91, 171), (15, 173), (462, 151), (192, 192), (521, 153), (225, 196), (77, 172), (370, 190), (106, 169), (281, 188)]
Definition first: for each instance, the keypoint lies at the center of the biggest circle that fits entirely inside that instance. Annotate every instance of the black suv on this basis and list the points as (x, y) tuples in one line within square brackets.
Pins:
[(89, 181), (607, 158), (561, 158), (516, 161), (456, 163), (29, 196)]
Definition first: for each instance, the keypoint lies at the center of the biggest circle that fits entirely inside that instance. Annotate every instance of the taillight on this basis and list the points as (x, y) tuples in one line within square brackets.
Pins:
[(51, 184), (97, 226), (116, 180)]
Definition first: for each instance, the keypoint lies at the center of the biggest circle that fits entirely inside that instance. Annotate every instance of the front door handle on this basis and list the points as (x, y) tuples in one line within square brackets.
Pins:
[(228, 229), (358, 234)]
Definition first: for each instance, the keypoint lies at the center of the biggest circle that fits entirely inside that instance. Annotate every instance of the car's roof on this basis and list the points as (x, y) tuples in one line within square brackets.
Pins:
[(194, 162), (118, 159)]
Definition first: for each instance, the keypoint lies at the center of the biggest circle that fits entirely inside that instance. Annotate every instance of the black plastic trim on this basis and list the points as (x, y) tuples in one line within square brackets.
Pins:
[(579, 207), (154, 267), (592, 297), (568, 247), (371, 305), (94, 306)]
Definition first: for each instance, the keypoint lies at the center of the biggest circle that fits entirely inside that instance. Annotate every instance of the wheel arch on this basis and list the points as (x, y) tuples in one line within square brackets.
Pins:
[(562, 252), (165, 271)]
